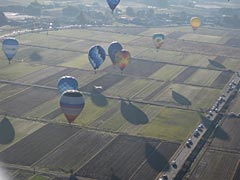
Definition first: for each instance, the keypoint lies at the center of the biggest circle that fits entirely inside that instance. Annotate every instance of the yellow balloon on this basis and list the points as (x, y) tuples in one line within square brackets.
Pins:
[(195, 22)]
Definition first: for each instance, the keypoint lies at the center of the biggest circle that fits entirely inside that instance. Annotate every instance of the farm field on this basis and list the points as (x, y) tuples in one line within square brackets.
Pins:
[(134, 124)]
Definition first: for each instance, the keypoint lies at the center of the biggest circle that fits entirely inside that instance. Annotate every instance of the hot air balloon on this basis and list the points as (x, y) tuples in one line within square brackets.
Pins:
[(96, 56), (195, 22), (67, 83), (10, 46), (113, 49), (122, 58), (113, 4), (72, 103), (158, 40)]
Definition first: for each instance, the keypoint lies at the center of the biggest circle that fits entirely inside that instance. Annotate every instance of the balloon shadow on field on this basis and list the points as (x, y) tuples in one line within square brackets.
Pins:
[(113, 176), (133, 114), (180, 99), (216, 64), (156, 160), (35, 56), (7, 132), (221, 134), (98, 98)]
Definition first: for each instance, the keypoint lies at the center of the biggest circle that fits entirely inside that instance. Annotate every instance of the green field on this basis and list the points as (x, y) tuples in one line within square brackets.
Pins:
[(203, 77), (201, 38)]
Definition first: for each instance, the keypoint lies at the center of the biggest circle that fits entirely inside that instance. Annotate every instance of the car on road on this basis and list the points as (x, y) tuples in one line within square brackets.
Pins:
[(196, 133), (164, 177)]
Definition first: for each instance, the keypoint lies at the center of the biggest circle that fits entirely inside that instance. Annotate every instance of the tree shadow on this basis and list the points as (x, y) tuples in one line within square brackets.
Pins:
[(216, 64), (133, 114), (99, 99), (155, 159), (221, 134), (205, 121), (180, 99), (7, 132)]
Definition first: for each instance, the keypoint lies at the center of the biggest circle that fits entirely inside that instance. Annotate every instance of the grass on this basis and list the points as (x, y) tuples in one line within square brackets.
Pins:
[(22, 128), (17, 70), (38, 177), (11, 91), (161, 56), (201, 38), (168, 72), (171, 124), (148, 89), (198, 96), (203, 77), (127, 87), (232, 64), (44, 109), (196, 60)]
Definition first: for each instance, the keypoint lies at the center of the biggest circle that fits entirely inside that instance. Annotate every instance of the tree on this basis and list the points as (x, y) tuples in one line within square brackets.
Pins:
[(130, 12), (34, 8), (81, 19), (3, 19)]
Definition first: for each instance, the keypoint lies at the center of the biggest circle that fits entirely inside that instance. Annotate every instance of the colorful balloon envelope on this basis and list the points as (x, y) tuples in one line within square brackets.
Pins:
[(10, 46), (72, 103), (158, 40), (96, 56), (67, 83), (113, 49), (195, 22), (113, 4), (122, 59)]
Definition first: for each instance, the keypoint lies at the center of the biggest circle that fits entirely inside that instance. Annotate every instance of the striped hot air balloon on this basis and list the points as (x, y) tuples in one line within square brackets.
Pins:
[(72, 103)]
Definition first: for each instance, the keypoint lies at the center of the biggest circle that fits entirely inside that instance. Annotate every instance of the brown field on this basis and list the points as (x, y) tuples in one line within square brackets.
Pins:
[(18, 105), (185, 74), (122, 158), (222, 79), (227, 136), (76, 151), (33, 147), (215, 165)]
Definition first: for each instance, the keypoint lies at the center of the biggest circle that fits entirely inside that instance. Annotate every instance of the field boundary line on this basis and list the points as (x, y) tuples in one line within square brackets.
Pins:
[(54, 149), (224, 150), (105, 146), (141, 165)]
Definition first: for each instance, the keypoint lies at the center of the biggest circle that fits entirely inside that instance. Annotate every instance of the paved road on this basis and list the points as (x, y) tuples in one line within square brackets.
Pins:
[(183, 151)]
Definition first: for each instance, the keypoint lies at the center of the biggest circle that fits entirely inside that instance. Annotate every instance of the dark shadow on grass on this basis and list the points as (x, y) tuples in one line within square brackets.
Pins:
[(205, 121), (7, 132), (180, 99), (35, 56), (216, 64), (99, 99), (221, 134), (133, 114), (155, 159)]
